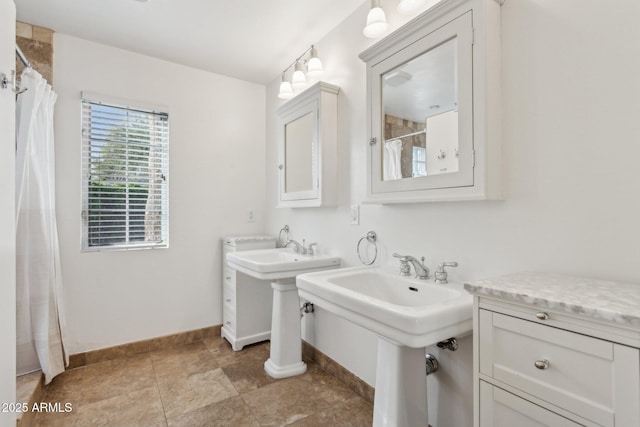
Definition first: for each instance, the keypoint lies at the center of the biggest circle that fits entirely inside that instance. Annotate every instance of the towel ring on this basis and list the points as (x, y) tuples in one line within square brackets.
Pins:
[(371, 238), (284, 229)]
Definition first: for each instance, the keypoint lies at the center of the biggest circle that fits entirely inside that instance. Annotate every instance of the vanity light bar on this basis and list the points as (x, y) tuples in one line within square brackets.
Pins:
[(299, 81)]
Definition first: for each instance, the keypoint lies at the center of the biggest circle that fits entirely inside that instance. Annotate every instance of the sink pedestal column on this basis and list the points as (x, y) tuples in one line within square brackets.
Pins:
[(401, 386), (285, 359)]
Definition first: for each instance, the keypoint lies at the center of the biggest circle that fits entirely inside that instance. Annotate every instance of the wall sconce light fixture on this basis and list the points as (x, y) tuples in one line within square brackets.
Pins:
[(298, 82), (376, 21)]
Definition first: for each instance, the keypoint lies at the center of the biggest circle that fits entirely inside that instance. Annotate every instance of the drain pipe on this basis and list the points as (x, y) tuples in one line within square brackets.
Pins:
[(432, 364), (450, 344), (307, 308)]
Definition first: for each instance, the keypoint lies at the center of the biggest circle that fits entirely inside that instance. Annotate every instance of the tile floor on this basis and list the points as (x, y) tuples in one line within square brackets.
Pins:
[(201, 384)]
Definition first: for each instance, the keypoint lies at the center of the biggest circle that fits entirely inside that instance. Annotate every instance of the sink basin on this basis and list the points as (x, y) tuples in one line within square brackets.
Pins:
[(406, 311), (284, 263)]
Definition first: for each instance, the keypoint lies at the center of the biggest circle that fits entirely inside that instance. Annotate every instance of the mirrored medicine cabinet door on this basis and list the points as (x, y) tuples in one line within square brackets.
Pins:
[(299, 170), (308, 148), (426, 116)]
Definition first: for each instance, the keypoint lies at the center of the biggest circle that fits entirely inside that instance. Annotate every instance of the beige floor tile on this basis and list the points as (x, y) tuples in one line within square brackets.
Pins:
[(197, 385), (67, 387), (176, 352), (55, 420), (230, 412), (248, 375), (295, 398), (184, 360), (184, 393), (100, 381), (117, 377), (225, 355), (137, 408), (355, 412), (26, 384)]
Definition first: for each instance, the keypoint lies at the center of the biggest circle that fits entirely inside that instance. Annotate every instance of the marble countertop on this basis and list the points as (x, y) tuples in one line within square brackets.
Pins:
[(598, 299)]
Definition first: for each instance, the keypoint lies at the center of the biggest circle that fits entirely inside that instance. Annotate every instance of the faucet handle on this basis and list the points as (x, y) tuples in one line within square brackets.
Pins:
[(405, 269), (441, 274), (311, 248)]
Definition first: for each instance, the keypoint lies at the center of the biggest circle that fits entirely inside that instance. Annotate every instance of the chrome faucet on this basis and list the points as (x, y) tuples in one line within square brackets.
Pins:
[(422, 272), (297, 247), (301, 249)]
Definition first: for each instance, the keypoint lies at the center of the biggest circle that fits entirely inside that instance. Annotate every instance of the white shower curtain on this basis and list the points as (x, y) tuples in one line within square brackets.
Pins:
[(38, 278), (392, 166)]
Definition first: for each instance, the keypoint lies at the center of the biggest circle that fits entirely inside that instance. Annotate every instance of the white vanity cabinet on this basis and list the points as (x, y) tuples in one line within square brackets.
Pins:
[(556, 362), (308, 148), (246, 301)]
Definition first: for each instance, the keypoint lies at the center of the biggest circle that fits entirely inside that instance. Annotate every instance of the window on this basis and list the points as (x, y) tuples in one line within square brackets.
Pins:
[(419, 162), (125, 184)]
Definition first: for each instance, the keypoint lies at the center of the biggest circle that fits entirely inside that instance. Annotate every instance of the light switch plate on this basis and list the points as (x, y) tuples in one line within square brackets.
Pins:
[(251, 215), (355, 214)]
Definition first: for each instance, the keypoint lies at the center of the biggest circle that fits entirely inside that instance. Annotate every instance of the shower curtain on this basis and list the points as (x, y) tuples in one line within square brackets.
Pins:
[(38, 278), (392, 167)]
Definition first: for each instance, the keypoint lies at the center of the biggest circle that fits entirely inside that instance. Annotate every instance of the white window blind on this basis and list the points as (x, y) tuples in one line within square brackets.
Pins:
[(125, 160)]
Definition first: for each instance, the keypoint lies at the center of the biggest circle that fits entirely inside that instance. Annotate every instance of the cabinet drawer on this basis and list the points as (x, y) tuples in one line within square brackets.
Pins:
[(228, 319), (228, 276), (228, 287), (499, 408), (228, 298), (573, 371)]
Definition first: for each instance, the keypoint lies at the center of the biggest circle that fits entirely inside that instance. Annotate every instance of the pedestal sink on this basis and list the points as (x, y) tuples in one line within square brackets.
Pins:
[(281, 266), (407, 315)]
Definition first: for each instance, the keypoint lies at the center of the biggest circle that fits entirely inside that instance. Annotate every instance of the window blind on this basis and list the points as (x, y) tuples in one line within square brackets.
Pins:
[(125, 160)]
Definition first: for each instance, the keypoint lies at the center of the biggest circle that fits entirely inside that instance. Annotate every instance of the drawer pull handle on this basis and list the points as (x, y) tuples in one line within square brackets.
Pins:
[(542, 315), (228, 323), (228, 277), (228, 300), (542, 364)]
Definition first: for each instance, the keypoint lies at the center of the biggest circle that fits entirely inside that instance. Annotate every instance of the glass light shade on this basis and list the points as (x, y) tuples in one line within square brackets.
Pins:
[(298, 80), (409, 7), (286, 91), (376, 23), (314, 67)]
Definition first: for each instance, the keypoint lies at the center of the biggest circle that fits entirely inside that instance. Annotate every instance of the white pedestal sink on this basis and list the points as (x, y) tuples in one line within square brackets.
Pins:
[(407, 315), (281, 266)]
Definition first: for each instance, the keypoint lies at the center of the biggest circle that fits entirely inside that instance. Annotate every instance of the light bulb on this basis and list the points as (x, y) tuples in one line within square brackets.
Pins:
[(286, 91), (314, 66), (298, 80), (376, 23)]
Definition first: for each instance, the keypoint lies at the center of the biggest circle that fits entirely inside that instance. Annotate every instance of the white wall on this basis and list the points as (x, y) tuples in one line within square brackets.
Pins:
[(572, 188), (7, 216), (216, 173)]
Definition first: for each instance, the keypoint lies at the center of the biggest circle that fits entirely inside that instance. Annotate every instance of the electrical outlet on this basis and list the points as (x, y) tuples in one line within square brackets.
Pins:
[(251, 215), (355, 214)]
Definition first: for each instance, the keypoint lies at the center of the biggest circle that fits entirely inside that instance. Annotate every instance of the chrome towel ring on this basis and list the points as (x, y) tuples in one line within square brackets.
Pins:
[(371, 239), (283, 242)]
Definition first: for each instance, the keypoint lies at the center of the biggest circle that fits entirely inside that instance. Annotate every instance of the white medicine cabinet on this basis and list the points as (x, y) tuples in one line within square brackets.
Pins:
[(433, 107), (308, 138)]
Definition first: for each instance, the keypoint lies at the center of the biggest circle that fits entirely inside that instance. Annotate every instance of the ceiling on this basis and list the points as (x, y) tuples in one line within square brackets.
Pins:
[(252, 40), (429, 87)]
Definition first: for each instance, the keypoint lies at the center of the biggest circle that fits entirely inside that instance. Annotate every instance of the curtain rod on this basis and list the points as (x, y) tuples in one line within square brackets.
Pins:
[(407, 135), (22, 57)]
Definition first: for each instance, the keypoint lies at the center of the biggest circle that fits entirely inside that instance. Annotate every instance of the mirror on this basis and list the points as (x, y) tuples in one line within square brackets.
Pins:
[(308, 148), (433, 107), (420, 115), (298, 148)]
